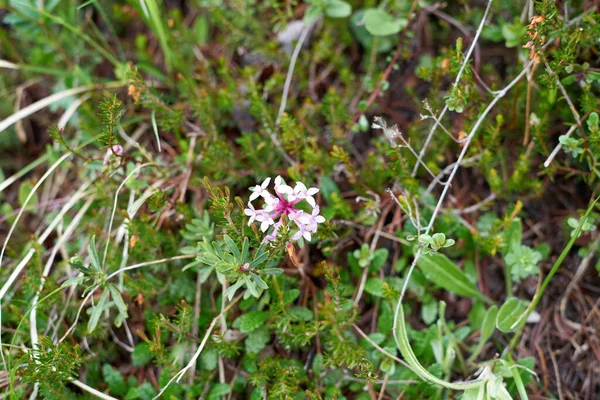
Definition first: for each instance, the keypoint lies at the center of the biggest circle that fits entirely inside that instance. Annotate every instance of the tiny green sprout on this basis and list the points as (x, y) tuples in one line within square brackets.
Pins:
[(364, 256), (432, 243), (588, 225), (571, 145)]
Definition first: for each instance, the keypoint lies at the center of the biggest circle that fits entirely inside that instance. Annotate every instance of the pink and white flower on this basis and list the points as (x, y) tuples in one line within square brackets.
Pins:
[(284, 203), (116, 150)]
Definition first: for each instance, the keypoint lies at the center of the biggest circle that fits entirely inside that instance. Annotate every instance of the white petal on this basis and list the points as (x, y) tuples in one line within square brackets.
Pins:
[(248, 212), (312, 191), (278, 180), (320, 219), (300, 187), (254, 196), (297, 235), (264, 226), (306, 235), (265, 183), (310, 200), (284, 189)]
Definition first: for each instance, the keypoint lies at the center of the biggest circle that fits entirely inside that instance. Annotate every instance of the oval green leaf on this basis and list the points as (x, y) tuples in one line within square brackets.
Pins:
[(380, 23), (509, 314)]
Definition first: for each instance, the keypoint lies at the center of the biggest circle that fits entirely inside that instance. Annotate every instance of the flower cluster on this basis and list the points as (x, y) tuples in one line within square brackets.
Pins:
[(284, 203)]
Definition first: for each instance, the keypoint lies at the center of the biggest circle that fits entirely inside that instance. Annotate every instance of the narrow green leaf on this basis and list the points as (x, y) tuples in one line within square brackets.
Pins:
[(96, 266), (118, 299), (443, 272), (259, 281), (232, 247), (250, 286), (96, 312), (230, 292), (245, 249), (489, 324)]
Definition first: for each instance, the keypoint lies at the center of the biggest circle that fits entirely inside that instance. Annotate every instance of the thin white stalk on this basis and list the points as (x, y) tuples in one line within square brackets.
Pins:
[(42, 238), (8, 65), (92, 391), (37, 185), (147, 263), (286, 89), (558, 147), (290, 72), (114, 209), (47, 101), (70, 111), (67, 234), (456, 81), (177, 377), (573, 110), (40, 105), (9, 181), (438, 206), (83, 303)]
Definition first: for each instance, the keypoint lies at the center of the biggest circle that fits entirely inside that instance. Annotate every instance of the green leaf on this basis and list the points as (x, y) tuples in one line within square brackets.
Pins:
[(489, 324), (593, 121), (218, 390), (374, 286), (512, 235), (380, 23), (509, 314), (115, 381), (24, 190), (289, 296), (96, 312), (271, 271), (230, 292), (259, 281), (232, 247), (443, 272), (337, 9), (379, 258), (118, 299), (522, 261), (312, 13), (383, 43), (146, 391), (141, 355), (327, 188), (301, 314), (251, 320), (257, 340), (95, 260), (429, 312), (385, 322), (251, 286), (514, 33)]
